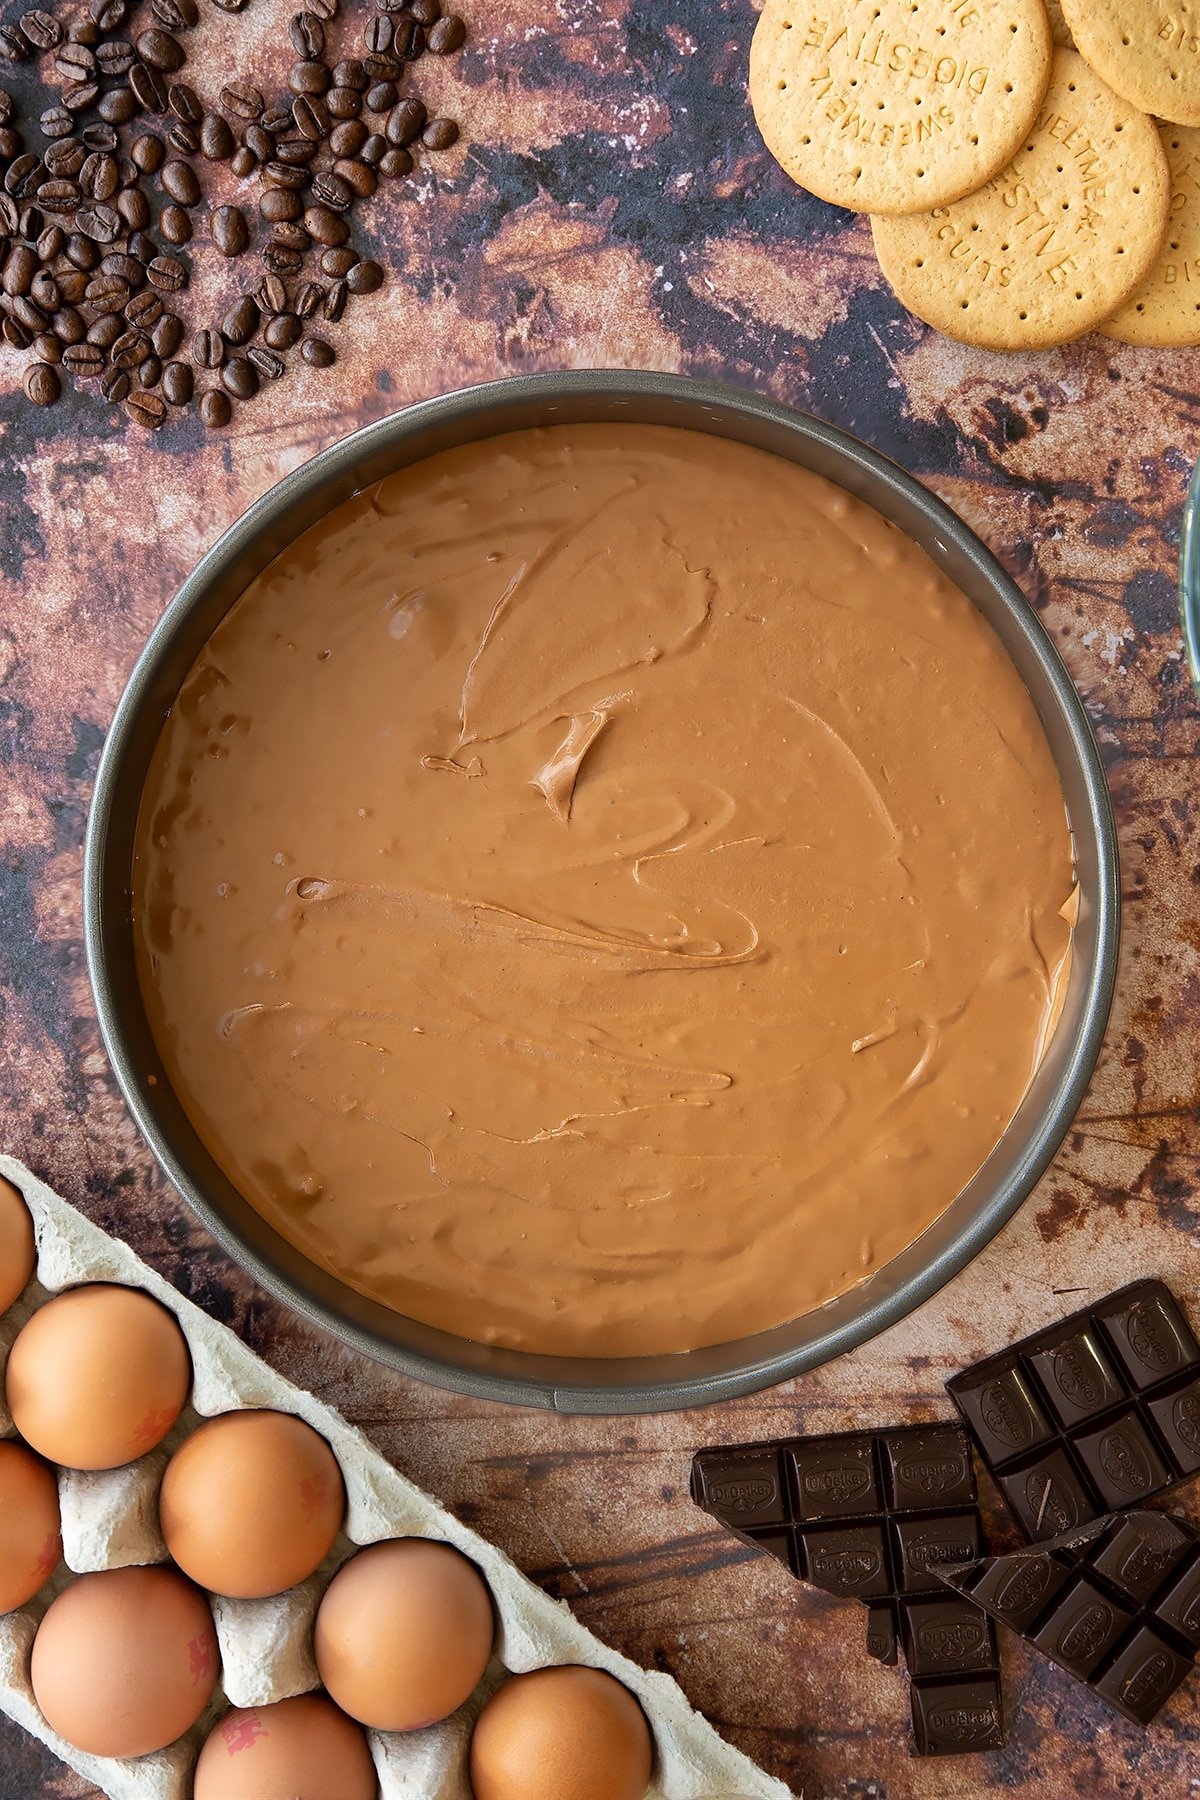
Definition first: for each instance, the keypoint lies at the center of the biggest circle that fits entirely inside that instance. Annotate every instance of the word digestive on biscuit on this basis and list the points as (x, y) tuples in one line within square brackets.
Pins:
[(911, 62)]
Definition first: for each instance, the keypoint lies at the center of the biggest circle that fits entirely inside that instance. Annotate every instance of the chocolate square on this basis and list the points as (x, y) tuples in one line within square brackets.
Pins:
[(1076, 1376), (1002, 1411), (778, 1544), (740, 1487), (881, 1631), (1177, 1416), (1143, 1675), (1017, 1588), (955, 1717), (1139, 1554), (1049, 1498), (1081, 1626), (946, 1637), (929, 1469), (1150, 1335), (923, 1545), (833, 1477), (850, 1561), (1179, 1607), (1122, 1461)]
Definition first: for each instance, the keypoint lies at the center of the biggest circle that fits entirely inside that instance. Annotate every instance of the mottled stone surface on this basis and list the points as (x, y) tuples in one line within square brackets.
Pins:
[(611, 204)]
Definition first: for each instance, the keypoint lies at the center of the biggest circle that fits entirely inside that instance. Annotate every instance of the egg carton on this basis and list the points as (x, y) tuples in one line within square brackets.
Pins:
[(110, 1520)]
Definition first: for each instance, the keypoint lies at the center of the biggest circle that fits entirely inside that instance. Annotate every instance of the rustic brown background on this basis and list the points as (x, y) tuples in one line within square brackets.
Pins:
[(611, 204)]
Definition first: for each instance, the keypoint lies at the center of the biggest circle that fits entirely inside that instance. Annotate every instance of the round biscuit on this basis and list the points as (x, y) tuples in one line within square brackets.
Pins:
[(1149, 54), (1165, 310), (1056, 242), (894, 106)]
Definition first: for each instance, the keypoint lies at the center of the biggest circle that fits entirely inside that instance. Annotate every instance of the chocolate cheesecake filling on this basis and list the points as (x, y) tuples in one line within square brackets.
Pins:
[(602, 891)]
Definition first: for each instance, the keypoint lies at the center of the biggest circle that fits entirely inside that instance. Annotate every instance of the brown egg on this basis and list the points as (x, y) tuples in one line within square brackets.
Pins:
[(404, 1633), (561, 1734), (30, 1538), (98, 1376), (251, 1503), (17, 1249), (125, 1661), (302, 1749)]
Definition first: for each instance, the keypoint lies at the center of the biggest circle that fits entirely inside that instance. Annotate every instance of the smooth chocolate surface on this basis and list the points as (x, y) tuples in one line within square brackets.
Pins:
[(1096, 1413), (874, 1517), (1116, 1604)]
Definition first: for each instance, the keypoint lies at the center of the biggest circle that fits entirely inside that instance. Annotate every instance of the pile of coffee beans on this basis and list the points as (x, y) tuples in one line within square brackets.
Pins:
[(96, 209)]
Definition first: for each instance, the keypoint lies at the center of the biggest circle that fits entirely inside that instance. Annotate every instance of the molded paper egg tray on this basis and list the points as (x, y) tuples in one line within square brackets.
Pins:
[(110, 1520)]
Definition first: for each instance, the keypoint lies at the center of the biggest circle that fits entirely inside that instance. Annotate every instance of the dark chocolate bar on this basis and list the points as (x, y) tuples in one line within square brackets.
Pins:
[(1117, 1604), (1092, 1415), (872, 1516)]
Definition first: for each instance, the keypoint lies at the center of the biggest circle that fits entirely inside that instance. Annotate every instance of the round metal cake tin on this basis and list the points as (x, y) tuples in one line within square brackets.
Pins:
[(641, 1384)]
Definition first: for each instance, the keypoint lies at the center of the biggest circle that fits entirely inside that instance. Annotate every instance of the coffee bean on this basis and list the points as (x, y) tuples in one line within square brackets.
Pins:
[(285, 175), (167, 273), (31, 223), (332, 190), (410, 39), (183, 138), (127, 268), (47, 348), (11, 143), (80, 96), (75, 62), (98, 177), (44, 291), (6, 107), (56, 122), (269, 365), (175, 15), (208, 349), (10, 216), (373, 150), (108, 294), (291, 235), (130, 349), (307, 34), (178, 179), (84, 31), (184, 103), (317, 353), (383, 68), (395, 162), (42, 385), (178, 383), (379, 34), (243, 163), (310, 116), (99, 222), (109, 15), (309, 296), (147, 153), (334, 304), (242, 99), (283, 331), (296, 151), (82, 252), (149, 371), (22, 177), (14, 45), (229, 231), (278, 204), (347, 137), (103, 333), (351, 74), (277, 118), (325, 227), (241, 321), (325, 10), (344, 103), (58, 196), (127, 171), (259, 141), (116, 57), (240, 378), (365, 277), (102, 137), (230, 6), (175, 225), (160, 50), (15, 334), (29, 313), (65, 158), (358, 178), (167, 335), (149, 88), (215, 409), (382, 97), (134, 208), (115, 385), (281, 259), (71, 285), (425, 12), (144, 311), (84, 361), (42, 29), (146, 409), (439, 134), (118, 107), (51, 242), (445, 35), (271, 294), (336, 263), (216, 139)]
